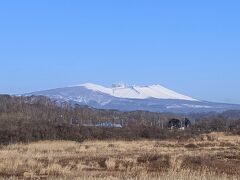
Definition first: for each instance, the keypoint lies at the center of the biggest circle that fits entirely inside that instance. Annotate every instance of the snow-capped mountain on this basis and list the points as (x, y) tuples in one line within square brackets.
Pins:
[(137, 92), (154, 98)]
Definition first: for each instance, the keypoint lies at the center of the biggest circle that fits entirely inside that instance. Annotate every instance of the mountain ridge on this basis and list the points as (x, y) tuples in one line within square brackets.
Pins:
[(137, 92), (154, 98)]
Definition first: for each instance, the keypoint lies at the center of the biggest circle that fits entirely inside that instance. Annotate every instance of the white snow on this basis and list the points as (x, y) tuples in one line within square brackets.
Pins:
[(196, 106), (96, 87), (138, 92)]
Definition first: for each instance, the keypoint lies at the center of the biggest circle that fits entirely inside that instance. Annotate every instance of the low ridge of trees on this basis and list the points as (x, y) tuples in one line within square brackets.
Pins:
[(25, 119)]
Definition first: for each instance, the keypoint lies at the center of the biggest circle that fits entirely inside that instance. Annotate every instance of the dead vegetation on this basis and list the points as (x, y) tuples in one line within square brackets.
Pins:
[(199, 158)]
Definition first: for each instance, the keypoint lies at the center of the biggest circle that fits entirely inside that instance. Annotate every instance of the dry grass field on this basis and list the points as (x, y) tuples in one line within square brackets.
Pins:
[(212, 156)]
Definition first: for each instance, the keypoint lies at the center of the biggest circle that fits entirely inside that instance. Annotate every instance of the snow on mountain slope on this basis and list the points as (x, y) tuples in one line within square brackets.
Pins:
[(154, 98), (137, 92)]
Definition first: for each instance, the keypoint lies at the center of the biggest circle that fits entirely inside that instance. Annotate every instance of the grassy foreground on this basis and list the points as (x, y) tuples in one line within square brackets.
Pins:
[(212, 156)]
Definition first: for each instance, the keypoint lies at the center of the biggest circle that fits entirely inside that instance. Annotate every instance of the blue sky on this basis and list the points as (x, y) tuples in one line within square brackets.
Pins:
[(192, 47)]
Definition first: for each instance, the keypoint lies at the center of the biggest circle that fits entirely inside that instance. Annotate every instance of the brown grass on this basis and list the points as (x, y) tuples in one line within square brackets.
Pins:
[(212, 156)]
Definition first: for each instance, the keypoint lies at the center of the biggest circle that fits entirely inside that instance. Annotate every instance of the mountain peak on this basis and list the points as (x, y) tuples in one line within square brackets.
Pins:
[(122, 90)]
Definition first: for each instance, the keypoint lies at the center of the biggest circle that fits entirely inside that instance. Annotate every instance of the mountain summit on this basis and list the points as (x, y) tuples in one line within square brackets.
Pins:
[(155, 98), (137, 92)]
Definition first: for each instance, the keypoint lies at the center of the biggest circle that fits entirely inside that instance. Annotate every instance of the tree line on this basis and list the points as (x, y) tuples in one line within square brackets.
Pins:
[(26, 119)]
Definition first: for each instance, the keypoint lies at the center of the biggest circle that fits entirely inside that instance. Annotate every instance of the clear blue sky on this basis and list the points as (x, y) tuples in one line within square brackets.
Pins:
[(192, 47)]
